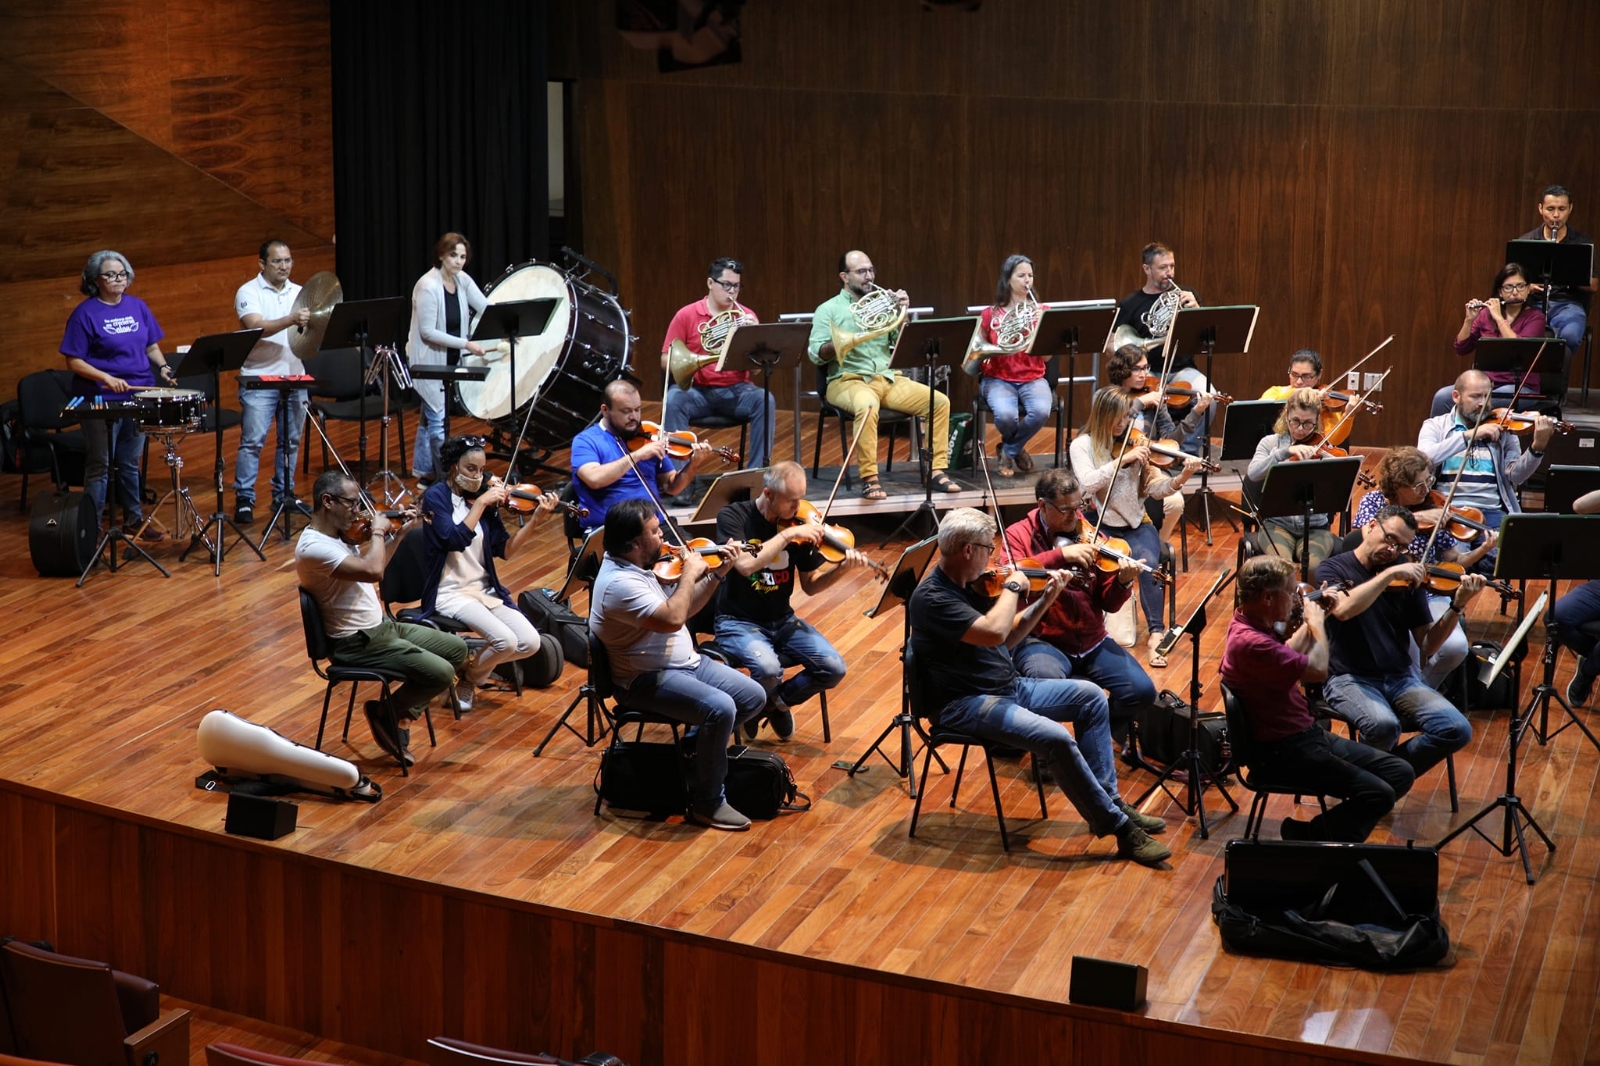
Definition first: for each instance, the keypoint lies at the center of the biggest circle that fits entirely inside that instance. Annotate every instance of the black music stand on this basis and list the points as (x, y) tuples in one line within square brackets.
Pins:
[(1300, 490), (736, 487), (1565, 485), (1208, 331), (448, 376), (921, 344), (1244, 423), (365, 325), (1517, 356), (1552, 263), (908, 571), (1191, 763), (78, 409), (1062, 330), (769, 346), (212, 354), (506, 322)]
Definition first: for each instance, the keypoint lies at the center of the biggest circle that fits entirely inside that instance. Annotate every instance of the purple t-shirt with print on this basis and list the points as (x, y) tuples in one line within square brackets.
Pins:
[(112, 338)]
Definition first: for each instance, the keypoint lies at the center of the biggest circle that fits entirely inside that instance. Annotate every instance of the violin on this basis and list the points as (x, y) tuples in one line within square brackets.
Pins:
[(680, 444), (1180, 395), (524, 501), (1462, 523), (1031, 571), (836, 540), (1334, 400), (669, 568), (1445, 578), (1522, 421), (1164, 453), (1113, 553), (1324, 450), (360, 530)]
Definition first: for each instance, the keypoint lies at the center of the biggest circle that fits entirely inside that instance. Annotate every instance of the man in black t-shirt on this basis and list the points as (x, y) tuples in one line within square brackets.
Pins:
[(755, 623), (1568, 311), (1371, 681), (962, 642), (1145, 317)]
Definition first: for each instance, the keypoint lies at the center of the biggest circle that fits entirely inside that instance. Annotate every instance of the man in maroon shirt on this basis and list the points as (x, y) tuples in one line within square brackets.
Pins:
[(1070, 640), (1264, 672)]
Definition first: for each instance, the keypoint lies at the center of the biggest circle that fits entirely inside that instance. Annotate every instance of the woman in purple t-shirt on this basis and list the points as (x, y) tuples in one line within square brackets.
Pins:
[(113, 344)]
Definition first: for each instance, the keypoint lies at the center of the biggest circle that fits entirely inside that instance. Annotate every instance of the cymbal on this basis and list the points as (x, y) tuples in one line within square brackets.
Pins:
[(319, 295)]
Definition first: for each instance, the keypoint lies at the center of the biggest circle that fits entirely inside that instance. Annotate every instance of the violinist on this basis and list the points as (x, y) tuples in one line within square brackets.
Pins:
[(1119, 480), (1070, 639), (644, 627), (1371, 681), (1265, 672), (604, 471), (1305, 372), (755, 621), (1294, 436), (1128, 369), (964, 641), (1505, 314), (1494, 459), (464, 536), (341, 577), (1404, 477)]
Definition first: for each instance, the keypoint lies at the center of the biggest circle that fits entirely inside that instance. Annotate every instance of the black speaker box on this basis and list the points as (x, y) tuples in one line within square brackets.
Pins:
[(1262, 875), (1099, 983), (261, 817)]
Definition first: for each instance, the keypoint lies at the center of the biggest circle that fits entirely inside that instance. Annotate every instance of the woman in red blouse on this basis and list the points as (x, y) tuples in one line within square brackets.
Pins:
[(1013, 386)]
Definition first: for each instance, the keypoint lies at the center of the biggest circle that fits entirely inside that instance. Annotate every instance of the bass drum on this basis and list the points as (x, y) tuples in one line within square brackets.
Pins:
[(561, 372), (62, 533)]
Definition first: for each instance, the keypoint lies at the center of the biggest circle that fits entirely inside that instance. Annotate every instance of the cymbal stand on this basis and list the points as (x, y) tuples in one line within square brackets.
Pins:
[(387, 366)]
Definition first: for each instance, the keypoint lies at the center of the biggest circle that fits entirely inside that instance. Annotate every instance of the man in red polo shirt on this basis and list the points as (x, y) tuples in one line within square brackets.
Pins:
[(728, 393)]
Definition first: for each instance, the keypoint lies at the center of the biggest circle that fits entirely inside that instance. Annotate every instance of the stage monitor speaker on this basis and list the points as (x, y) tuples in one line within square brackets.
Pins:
[(1100, 983), (62, 533), (261, 817)]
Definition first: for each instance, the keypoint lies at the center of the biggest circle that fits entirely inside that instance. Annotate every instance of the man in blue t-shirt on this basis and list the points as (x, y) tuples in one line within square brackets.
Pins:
[(1371, 681), (604, 472)]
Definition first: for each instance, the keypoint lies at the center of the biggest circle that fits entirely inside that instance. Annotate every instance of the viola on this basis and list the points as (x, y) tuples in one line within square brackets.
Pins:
[(1309, 593), (680, 444), (360, 530), (1324, 450), (524, 500), (669, 568), (1181, 395), (1031, 571), (1164, 453), (1462, 523), (1113, 553), (1445, 578), (836, 540), (1522, 421)]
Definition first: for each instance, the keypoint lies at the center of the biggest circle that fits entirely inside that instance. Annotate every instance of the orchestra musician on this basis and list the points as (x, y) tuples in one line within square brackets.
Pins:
[(1405, 477), (1265, 673), (1305, 372), (1146, 314), (1507, 313), (1070, 638), (1580, 606), (1128, 369), (1013, 385), (112, 344), (1296, 425), (340, 571), (444, 302), (755, 621), (266, 302), (464, 535), (605, 472), (1569, 305), (726, 393), (860, 381), (963, 640), (1371, 683), (1119, 480), (643, 625), (1494, 459)]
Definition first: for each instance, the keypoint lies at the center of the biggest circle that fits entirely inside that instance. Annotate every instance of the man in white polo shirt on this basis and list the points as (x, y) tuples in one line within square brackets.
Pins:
[(266, 302)]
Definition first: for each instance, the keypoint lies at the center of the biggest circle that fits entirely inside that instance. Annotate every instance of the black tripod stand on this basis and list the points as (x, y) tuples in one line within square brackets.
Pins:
[(1209, 331), (212, 355), (907, 572), (1191, 763), (111, 540), (585, 565), (924, 341)]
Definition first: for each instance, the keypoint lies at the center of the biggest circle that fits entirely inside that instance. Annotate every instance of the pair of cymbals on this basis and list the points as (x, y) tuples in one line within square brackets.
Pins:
[(319, 295)]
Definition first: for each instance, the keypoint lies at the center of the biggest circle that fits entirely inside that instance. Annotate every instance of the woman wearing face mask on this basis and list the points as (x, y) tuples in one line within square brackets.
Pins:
[(464, 536)]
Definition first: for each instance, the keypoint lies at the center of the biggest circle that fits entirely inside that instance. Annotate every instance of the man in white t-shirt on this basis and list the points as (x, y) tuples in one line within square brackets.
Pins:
[(644, 627), (266, 302), (341, 577)]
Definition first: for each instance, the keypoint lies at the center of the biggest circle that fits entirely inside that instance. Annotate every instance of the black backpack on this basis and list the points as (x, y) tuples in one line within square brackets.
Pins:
[(556, 620)]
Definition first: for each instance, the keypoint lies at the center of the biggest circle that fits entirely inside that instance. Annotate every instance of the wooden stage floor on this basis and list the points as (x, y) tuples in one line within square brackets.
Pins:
[(105, 685)]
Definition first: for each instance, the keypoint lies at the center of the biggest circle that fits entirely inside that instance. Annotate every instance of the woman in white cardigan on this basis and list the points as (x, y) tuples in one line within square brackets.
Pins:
[(444, 303)]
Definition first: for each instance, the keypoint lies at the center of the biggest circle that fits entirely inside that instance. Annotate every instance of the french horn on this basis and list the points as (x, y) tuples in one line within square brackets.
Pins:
[(877, 312)]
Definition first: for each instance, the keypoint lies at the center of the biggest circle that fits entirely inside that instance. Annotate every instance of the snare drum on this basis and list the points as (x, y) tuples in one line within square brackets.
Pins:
[(174, 410), (563, 371)]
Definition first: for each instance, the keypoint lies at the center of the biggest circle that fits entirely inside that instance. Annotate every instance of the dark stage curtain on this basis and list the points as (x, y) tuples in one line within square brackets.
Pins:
[(438, 125)]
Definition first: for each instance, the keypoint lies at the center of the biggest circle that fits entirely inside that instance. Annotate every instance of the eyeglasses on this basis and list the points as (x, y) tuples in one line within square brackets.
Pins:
[(1296, 375), (114, 275), (1396, 542), (1514, 288), (1301, 423), (1061, 509), (864, 272), (729, 286), (1423, 484), (1142, 368), (348, 501), (980, 544), (285, 261)]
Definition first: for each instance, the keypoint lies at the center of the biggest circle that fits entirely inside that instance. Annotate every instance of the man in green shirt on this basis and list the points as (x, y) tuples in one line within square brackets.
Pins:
[(861, 382)]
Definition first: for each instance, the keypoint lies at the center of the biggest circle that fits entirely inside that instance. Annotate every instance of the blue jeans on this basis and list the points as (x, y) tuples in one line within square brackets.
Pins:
[(740, 401), (714, 697), (1577, 607), (1567, 320), (430, 434), (123, 441), (1144, 543), (1005, 398), (1030, 716), (260, 409), (765, 648), (1107, 664), (1378, 706)]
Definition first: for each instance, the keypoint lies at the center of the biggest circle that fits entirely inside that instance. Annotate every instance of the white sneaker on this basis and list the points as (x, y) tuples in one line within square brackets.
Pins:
[(466, 692)]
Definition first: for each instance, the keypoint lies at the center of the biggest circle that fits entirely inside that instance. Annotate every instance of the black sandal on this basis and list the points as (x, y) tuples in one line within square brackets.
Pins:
[(942, 482), (872, 489)]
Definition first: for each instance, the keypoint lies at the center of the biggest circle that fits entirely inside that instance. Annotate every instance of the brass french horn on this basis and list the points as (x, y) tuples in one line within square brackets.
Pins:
[(683, 364), (1013, 330), (877, 312)]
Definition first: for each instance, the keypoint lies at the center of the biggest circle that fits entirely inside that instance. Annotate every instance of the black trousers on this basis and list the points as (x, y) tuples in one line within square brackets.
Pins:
[(1316, 762)]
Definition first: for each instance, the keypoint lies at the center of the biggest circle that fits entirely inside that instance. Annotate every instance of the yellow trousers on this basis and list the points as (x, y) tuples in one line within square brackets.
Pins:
[(862, 399)]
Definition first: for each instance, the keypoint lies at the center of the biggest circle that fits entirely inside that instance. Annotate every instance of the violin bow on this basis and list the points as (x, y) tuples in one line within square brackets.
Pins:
[(994, 502), (666, 521), (844, 464), (1516, 395), (1455, 481), (1331, 385), (1355, 405)]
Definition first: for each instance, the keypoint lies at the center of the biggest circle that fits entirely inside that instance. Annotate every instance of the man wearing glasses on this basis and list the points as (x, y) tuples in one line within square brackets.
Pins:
[(723, 393), (963, 642), (1070, 639), (1371, 680), (341, 575), (266, 302)]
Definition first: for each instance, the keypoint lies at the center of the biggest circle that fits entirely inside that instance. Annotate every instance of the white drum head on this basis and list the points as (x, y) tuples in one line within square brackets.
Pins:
[(537, 355)]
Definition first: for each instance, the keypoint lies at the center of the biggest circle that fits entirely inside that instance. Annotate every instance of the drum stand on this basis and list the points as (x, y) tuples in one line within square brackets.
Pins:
[(186, 517), (386, 366), (114, 536)]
